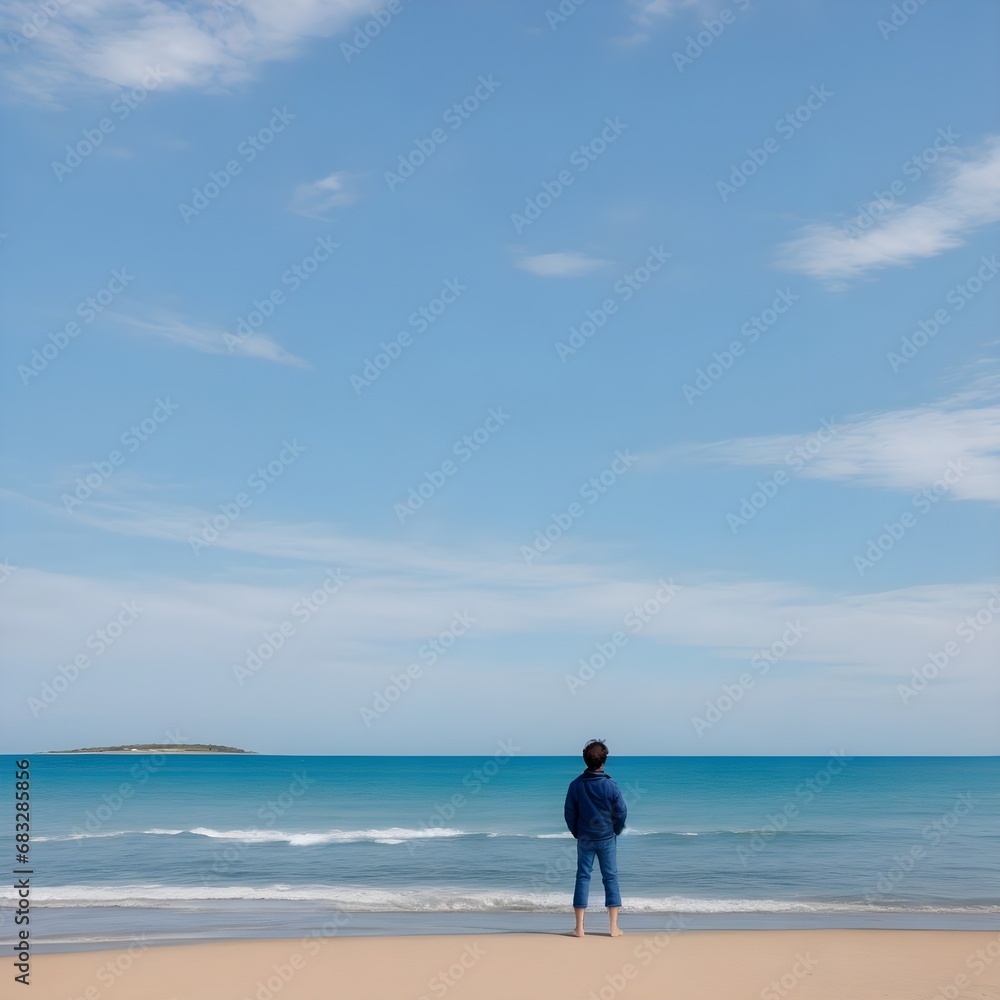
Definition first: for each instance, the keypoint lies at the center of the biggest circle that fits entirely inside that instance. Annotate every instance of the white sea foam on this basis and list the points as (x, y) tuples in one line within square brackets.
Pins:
[(392, 835), (88, 836), (360, 899)]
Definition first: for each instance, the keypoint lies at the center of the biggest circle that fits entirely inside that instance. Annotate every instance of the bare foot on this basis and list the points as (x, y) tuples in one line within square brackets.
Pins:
[(617, 932), (576, 932)]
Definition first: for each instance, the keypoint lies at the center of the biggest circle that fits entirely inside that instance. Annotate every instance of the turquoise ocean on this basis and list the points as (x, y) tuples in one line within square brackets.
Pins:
[(177, 847)]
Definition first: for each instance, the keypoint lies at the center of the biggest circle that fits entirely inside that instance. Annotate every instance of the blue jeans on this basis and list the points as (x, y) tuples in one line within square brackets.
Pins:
[(607, 857)]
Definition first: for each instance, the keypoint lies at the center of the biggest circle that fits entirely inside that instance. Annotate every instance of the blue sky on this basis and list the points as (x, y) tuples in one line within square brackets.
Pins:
[(681, 307)]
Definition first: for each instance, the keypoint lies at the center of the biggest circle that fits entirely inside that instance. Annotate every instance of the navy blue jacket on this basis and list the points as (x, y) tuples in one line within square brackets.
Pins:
[(595, 808)]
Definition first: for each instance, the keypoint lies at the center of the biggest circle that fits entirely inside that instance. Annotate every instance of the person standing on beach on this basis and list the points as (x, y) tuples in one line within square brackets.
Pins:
[(595, 814)]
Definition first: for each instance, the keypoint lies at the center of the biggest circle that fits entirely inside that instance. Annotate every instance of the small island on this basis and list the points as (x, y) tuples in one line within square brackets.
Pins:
[(159, 748)]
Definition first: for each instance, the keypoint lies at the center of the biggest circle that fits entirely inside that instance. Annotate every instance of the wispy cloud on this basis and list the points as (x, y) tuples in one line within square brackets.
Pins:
[(176, 666), (402, 589), (709, 610), (210, 339), (967, 196), (94, 43), (646, 14), (855, 649), (860, 643), (567, 264), (897, 450), (314, 199)]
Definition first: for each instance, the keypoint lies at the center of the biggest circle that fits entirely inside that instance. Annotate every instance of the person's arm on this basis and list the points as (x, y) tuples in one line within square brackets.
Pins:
[(619, 811), (570, 811)]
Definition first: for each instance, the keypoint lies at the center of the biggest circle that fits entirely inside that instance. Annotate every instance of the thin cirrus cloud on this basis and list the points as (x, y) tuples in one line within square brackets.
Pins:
[(859, 634), (209, 339), (910, 449), (316, 199), (710, 610), (648, 13), (966, 197), (379, 602), (193, 636), (566, 264), (91, 43)]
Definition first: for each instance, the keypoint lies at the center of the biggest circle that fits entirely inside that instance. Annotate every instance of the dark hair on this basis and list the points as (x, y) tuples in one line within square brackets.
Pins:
[(595, 753)]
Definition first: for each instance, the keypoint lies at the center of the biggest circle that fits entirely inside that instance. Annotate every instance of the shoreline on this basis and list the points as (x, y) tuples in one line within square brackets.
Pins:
[(117, 927), (694, 964)]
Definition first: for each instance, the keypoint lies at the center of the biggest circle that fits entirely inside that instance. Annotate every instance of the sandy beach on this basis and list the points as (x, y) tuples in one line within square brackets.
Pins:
[(693, 965)]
